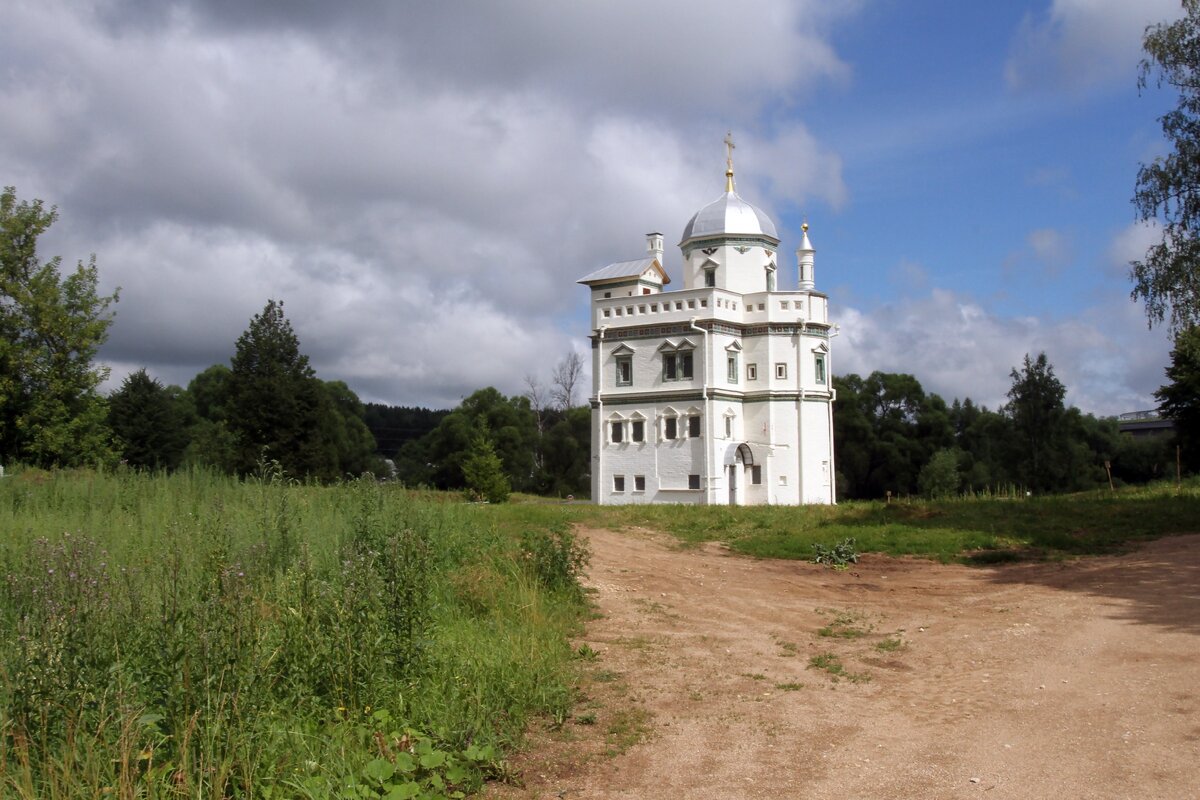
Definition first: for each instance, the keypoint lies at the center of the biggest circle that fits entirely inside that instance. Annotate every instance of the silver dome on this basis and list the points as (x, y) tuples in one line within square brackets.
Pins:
[(729, 214)]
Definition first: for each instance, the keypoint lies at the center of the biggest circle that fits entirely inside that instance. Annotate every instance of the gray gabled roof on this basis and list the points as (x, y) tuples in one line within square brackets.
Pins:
[(623, 270)]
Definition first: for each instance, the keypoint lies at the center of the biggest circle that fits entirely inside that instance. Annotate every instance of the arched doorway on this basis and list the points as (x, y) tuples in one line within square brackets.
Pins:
[(739, 459)]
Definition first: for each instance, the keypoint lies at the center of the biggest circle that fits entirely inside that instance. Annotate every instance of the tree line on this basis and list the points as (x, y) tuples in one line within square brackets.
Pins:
[(892, 437), (538, 442), (267, 408)]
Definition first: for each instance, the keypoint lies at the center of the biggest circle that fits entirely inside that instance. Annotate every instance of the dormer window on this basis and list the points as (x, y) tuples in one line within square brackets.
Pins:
[(710, 278)]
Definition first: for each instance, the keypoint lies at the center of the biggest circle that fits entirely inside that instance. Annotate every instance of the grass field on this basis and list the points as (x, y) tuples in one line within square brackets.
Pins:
[(198, 636), (979, 529)]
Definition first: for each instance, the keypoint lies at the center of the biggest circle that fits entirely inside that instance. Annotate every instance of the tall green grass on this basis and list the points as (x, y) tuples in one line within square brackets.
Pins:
[(193, 635)]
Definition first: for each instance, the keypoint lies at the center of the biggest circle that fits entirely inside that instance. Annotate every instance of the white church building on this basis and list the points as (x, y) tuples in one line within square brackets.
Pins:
[(718, 392)]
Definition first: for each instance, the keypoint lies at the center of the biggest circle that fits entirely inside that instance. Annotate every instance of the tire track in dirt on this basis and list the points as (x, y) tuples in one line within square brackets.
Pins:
[(1077, 680)]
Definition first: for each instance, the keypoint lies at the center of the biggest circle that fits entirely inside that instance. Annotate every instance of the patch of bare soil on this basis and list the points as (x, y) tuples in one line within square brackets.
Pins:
[(720, 676)]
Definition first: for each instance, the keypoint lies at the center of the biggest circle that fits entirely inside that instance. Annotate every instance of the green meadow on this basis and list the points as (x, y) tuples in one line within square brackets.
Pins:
[(974, 529), (195, 635)]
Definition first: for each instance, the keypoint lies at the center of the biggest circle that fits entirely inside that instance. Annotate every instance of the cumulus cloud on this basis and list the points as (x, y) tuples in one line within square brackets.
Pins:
[(956, 348), (1131, 244), (1048, 249), (1081, 44), (420, 183)]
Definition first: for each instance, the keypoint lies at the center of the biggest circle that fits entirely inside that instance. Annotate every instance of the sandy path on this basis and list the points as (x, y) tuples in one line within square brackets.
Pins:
[(1077, 680)]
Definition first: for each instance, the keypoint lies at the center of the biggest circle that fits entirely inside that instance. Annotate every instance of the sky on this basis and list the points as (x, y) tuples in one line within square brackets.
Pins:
[(422, 184)]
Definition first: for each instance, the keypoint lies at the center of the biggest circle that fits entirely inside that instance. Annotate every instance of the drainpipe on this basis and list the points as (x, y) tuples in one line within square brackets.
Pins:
[(708, 444), (800, 323), (832, 397), (598, 431)]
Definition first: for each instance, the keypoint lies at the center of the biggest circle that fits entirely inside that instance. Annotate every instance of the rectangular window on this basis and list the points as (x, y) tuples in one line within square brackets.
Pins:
[(639, 483), (783, 480), (694, 427), (670, 428), (729, 427), (731, 363), (756, 475), (618, 483), (618, 432), (639, 430), (677, 367), (819, 367), (752, 372), (710, 278), (624, 370), (781, 371), (693, 481)]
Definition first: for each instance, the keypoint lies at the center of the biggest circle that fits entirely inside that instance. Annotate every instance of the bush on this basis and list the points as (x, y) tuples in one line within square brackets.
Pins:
[(556, 557), (939, 477)]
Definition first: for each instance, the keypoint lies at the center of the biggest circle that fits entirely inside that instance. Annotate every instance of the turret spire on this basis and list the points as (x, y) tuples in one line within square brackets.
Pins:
[(804, 260)]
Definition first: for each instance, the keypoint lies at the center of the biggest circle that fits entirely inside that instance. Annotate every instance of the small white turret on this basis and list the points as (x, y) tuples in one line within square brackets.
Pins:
[(804, 261), (654, 246)]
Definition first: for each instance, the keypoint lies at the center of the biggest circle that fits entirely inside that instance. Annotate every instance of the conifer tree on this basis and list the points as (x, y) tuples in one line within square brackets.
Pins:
[(483, 471), (275, 400), (1038, 415), (149, 427)]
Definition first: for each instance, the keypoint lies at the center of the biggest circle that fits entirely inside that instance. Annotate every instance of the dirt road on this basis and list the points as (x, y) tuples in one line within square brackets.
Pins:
[(897, 678)]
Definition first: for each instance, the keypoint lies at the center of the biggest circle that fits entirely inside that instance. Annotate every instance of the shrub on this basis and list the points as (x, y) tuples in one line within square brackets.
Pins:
[(556, 557)]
